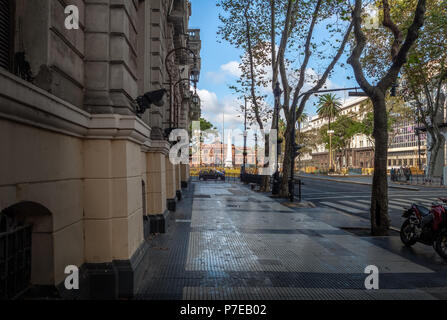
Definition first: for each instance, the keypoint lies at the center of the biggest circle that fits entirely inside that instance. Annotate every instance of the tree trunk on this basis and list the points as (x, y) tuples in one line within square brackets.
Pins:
[(284, 188), (380, 221)]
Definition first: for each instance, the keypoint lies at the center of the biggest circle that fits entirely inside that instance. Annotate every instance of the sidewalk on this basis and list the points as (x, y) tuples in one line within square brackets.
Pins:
[(228, 242)]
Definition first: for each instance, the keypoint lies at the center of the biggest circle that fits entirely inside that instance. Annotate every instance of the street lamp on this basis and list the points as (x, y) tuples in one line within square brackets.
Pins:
[(277, 93), (194, 98), (194, 75), (245, 139)]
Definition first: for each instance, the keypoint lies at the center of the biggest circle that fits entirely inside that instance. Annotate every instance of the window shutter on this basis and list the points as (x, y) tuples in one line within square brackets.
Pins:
[(5, 34)]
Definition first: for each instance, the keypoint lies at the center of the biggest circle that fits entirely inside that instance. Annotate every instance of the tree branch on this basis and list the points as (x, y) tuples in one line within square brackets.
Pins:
[(354, 59), (401, 57), (307, 53), (252, 68), (281, 53), (389, 23), (326, 73)]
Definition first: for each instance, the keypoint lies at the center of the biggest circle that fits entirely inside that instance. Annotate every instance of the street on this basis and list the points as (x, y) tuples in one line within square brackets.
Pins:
[(354, 199), (228, 242)]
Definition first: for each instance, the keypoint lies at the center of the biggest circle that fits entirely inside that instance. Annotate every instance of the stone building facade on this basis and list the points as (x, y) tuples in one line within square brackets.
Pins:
[(91, 176)]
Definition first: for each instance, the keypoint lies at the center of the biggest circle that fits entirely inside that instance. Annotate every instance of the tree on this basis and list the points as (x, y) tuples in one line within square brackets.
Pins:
[(295, 21), (329, 107), (424, 75), (345, 128), (400, 48)]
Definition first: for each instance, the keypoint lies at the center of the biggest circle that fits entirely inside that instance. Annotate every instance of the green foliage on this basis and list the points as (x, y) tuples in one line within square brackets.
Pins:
[(329, 107), (345, 127)]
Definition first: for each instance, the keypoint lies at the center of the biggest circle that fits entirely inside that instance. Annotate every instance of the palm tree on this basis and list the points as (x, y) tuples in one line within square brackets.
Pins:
[(329, 107)]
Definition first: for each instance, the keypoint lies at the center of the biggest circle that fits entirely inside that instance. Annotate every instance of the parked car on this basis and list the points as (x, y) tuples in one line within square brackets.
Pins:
[(211, 175)]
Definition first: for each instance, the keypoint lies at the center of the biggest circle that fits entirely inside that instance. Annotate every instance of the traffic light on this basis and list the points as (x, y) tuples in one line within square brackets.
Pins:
[(393, 90), (296, 150), (278, 146)]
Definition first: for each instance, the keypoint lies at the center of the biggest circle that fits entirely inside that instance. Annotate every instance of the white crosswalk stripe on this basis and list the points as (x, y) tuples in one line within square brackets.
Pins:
[(427, 202), (356, 204), (341, 207), (361, 206), (390, 205)]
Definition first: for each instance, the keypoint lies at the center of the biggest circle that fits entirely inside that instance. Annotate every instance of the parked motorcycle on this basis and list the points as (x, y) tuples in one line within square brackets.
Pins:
[(427, 226)]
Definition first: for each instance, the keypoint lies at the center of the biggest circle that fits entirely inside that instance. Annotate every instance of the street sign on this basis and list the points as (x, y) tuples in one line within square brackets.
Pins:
[(330, 132), (357, 94)]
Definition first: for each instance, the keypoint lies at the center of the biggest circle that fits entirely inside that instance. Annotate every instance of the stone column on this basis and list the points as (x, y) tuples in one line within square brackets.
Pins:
[(170, 185), (113, 214), (97, 56), (156, 187), (157, 213), (184, 168), (110, 56), (178, 180)]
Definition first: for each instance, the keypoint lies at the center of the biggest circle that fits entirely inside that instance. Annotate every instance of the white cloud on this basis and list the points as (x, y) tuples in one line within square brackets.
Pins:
[(230, 69), (215, 110)]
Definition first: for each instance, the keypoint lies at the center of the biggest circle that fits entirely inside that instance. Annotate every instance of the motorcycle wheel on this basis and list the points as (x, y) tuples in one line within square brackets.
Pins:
[(441, 244), (406, 234)]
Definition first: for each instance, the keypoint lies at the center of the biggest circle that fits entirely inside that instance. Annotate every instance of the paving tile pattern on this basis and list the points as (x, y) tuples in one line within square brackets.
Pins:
[(227, 242)]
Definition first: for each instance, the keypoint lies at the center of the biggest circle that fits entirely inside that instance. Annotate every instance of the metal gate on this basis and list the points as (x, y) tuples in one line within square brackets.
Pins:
[(15, 261)]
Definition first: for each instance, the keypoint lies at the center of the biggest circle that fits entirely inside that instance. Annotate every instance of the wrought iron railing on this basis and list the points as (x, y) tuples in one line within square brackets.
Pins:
[(15, 262)]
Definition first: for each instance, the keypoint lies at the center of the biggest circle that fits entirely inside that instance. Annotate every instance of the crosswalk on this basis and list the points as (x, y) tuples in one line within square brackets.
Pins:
[(358, 206)]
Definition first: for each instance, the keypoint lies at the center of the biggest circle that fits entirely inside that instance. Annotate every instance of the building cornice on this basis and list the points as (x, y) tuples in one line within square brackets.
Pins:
[(24, 103), (159, 146)]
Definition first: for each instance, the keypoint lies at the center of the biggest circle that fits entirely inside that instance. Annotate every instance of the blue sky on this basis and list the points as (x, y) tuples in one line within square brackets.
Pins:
[(219, 68)]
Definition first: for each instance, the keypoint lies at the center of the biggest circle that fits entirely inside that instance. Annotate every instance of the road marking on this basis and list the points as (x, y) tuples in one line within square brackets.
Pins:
[(336, 197), (389, 205), (356, 204), (182, 221), (342, 207), (406, 202), (428, 202)]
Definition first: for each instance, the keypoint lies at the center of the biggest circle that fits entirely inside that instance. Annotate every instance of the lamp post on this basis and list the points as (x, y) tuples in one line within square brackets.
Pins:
[(194, 76), (245, 138), (256, 153), (330, 133), (277, 93), (194, 99), (418, 133)]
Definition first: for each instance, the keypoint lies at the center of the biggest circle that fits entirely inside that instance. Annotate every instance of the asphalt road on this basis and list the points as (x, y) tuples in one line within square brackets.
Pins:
[(355, 199)]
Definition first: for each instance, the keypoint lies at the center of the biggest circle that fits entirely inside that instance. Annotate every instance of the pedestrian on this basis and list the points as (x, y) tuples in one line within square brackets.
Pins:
[(407, 173)]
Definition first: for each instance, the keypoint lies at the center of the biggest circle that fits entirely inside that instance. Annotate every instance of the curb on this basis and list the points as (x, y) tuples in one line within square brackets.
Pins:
[(360, 183)]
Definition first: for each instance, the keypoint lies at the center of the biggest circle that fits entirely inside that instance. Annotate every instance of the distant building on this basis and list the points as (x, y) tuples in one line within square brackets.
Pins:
[(403, 149), (213, 153)]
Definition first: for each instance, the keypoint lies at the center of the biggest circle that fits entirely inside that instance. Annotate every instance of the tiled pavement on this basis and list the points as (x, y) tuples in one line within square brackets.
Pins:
[(227, 242)]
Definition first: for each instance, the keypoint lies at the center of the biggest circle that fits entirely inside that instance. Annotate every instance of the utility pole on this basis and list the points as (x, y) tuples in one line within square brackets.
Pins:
[(256, 153), (222, 140)]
